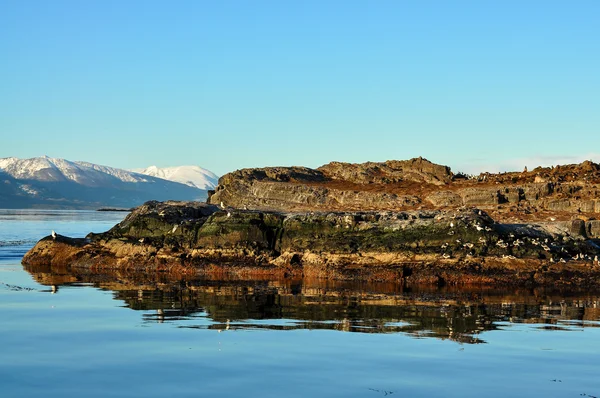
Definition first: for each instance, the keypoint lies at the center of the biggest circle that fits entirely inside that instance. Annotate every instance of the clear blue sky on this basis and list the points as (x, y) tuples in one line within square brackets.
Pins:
[(231, 84)]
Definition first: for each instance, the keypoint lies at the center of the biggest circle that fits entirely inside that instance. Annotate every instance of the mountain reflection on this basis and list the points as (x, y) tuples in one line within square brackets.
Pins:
[(228, 305)]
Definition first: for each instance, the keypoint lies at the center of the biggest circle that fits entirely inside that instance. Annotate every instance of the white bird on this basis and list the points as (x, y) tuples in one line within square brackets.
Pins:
[(222, 205), (228, 214), (53, 234)]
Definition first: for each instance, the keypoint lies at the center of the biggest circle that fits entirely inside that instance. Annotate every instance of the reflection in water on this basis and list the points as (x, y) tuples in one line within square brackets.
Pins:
[(225, 305)]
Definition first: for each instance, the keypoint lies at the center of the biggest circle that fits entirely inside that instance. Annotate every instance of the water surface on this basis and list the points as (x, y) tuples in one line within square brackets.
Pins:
[(68, 332)]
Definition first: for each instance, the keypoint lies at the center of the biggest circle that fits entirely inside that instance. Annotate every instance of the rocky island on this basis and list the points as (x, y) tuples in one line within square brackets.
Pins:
[(410, 222)]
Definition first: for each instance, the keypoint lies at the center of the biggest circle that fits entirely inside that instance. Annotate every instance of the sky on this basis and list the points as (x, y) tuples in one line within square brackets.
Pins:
[(476, 85)]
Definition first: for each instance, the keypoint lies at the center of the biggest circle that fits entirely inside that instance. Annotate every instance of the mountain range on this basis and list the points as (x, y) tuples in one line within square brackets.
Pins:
[(45, 182)]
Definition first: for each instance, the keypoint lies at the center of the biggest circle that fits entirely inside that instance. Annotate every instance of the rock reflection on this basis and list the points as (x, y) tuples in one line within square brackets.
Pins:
[(422, 312)]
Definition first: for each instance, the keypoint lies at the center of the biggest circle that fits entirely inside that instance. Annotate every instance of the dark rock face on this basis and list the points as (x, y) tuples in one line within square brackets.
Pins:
[(154, 219), (593, 229)]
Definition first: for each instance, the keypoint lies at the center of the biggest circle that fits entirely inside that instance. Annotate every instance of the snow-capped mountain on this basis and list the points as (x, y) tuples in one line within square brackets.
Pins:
[(51, 169), (51, 182), (194, 176)]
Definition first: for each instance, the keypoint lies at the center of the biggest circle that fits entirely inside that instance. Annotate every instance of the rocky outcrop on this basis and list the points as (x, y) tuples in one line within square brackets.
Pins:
[(428, 246), (403, 221), (335, 186), (393, 171), (561, 192)]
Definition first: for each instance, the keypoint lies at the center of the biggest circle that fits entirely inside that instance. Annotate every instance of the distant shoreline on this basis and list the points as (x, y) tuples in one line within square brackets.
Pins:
[(113, 209)]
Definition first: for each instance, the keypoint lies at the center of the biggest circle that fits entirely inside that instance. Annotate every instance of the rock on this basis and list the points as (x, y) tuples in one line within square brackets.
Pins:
[(481, 197), (536, 191), (445, 199), (393, 171), (578, 228), (592, 229), (397, 220), (411, 185), (341, 245), (560, 205), (156, 219)]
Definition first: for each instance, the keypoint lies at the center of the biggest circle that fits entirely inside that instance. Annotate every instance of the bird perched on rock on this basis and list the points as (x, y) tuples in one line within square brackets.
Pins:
[(53, 234), (222, 205)]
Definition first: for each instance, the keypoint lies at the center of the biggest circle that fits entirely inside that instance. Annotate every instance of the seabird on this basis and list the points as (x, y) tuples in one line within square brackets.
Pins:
[(53, 234), (222, 205)]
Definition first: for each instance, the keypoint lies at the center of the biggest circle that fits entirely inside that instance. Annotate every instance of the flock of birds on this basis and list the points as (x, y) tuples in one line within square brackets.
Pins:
[(518, 242)]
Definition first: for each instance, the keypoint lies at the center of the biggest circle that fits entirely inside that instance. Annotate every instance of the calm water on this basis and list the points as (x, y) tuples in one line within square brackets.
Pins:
[(70, 333)]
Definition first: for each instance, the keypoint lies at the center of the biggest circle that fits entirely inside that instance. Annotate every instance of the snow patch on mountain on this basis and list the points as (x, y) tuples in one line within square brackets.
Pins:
[(193, 176), (24, 168)]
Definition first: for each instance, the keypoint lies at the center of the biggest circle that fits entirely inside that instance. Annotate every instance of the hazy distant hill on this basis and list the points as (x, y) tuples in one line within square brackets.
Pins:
[(193, 176), (59, 183)]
